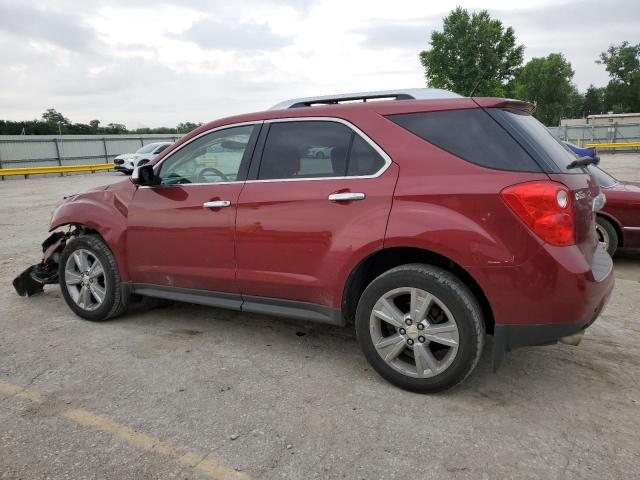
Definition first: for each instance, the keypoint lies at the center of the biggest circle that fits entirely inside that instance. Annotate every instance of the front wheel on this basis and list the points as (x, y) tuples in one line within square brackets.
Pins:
[(89, 279), (420, 328)]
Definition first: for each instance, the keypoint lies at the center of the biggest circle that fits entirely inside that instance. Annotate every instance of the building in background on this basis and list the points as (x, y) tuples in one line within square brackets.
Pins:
[(604, 119)]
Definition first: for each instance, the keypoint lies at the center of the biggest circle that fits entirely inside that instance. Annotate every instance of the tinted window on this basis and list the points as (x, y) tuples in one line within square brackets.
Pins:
[(161, 148), (536, 138), (469, 134), (363, 159), (305, 150), (212, 158), (147, 148)]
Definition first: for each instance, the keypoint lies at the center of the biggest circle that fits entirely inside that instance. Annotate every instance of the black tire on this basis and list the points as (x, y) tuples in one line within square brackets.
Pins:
[(608, 234), (115, 299), (460, 302)]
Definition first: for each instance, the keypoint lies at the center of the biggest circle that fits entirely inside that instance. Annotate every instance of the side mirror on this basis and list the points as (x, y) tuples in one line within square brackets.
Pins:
[(144, 175)]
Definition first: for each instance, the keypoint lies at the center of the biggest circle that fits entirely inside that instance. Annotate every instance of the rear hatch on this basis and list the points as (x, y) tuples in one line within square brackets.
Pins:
[(554, 158), (503, 135)]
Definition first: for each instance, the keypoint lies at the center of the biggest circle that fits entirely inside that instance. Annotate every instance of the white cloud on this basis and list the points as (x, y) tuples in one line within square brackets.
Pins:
[(158, 62)]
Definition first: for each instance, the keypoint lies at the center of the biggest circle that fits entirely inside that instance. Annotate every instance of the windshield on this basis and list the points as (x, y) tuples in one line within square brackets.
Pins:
[(550, 152), (604, 179), (148, 148)]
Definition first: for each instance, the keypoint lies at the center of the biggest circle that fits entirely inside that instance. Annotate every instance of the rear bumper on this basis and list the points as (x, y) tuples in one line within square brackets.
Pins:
[(554, 295), (509, 337)]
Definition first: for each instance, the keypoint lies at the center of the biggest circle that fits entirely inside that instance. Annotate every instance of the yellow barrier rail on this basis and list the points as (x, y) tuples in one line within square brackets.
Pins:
[(26, 171), (613, 145)]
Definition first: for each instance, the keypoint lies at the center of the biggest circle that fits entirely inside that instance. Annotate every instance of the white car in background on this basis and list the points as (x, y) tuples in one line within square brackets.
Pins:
[(128, 161)]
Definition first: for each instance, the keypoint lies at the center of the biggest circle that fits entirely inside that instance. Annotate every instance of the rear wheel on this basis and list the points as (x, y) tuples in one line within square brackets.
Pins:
[(89, 279), (607, 235), (420, 328)]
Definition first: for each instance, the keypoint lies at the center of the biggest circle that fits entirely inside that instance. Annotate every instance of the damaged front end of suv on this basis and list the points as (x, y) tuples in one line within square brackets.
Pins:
[(32, 280), (98, 212)]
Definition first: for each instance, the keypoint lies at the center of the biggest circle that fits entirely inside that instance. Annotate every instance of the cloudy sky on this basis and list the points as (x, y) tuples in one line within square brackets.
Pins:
[(159, 62)]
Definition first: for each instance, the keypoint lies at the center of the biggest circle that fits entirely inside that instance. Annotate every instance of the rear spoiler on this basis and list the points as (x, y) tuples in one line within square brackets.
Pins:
[(491, 102)]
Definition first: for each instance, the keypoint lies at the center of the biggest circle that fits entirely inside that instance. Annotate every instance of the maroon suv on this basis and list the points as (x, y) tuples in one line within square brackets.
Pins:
[(429, 221)]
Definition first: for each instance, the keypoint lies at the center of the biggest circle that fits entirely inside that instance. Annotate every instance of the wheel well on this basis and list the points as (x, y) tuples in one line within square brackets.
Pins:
[(77, 229), (615, 226), (383, 260)]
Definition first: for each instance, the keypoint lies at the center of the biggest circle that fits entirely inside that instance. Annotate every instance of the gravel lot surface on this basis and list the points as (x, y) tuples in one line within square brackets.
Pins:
[(195, 392)]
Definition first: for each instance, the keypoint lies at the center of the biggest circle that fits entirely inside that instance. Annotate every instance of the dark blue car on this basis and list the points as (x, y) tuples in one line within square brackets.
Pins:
[(582, 152)]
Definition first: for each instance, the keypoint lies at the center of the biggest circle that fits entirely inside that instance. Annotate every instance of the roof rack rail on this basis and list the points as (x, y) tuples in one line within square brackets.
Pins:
[(402, 94)]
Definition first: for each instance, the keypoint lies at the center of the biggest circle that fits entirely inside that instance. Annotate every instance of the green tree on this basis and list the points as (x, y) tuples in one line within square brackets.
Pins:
[(593, 100), (186, 127), (546, 81), (51, 115), (622, 94), (472, 51), (115, 128), (621, 61), (95, 124), (575, 104)]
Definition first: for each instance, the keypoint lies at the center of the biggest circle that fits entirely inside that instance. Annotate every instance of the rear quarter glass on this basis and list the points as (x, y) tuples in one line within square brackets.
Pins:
[(471, 134), (535, 138)]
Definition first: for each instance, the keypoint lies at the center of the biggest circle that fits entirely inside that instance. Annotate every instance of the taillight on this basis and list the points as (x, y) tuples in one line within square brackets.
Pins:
[(545, 207)]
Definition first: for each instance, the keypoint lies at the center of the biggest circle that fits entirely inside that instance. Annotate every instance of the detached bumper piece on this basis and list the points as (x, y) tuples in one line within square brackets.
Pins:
[(34, 278)]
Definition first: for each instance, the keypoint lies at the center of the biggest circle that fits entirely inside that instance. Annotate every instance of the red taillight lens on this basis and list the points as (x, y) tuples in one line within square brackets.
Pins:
[(545, 207)]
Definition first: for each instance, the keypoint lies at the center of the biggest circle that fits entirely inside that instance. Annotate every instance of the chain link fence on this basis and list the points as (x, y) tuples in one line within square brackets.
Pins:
[(607, 133)]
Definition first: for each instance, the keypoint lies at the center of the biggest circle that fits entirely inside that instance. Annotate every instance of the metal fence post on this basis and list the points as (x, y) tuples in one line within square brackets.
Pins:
[(58, 155), (141, 142), (106, 154)]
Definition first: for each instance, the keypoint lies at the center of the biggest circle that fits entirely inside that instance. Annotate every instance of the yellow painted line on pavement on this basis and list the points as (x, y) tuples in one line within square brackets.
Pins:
[(131, 436), (11, 390)]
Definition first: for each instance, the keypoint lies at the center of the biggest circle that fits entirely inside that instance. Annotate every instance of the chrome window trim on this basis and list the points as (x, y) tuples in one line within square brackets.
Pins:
[(364, 136)]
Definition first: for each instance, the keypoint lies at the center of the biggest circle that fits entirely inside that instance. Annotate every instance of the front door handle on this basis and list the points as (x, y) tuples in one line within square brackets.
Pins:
[(216, 204), (346, 196)]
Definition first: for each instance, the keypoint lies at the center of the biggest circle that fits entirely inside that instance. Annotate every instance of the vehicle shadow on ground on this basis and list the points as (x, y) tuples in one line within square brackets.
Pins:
[(525, 371)]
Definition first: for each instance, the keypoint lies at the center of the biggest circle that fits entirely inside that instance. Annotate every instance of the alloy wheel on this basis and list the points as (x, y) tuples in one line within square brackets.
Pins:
[(85, 279), (414, 332)]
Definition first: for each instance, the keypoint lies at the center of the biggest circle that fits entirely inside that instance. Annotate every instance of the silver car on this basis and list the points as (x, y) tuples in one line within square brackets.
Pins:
[(128, 161)]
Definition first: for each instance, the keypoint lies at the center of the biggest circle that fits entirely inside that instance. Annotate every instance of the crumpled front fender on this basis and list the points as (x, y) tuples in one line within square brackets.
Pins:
[(104, 211)]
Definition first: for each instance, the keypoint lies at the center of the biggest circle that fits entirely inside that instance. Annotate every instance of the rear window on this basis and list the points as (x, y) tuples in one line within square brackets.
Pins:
[(549, 151), (472, 135), (604, 179)]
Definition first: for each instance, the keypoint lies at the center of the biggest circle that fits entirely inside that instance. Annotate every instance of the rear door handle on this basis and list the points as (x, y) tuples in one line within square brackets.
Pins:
[(346, 196), (216, 204)]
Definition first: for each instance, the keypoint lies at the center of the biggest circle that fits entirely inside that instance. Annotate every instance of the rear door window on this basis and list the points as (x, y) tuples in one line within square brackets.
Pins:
[(363, 159), (316, 149), (472, 135)]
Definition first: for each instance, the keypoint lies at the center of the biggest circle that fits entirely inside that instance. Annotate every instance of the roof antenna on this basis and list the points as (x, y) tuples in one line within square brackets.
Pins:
[(475, 87)]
